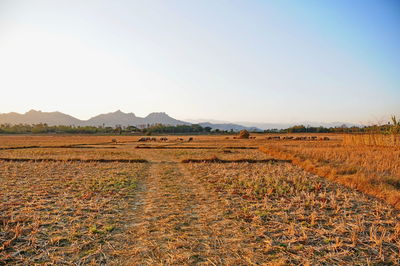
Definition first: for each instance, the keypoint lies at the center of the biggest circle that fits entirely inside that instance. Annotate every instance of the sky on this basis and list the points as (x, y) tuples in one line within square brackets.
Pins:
[(231, 60)]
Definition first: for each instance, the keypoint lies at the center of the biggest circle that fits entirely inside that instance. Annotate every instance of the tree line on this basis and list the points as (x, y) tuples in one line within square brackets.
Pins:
[(392, 127), (43, 128)]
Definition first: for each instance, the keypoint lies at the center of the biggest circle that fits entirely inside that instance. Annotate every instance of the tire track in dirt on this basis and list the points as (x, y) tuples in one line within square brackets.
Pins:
[(180, 222)]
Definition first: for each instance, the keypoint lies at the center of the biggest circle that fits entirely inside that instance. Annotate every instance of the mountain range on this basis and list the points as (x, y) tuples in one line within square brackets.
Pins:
[(263, 126), (110, 119), (130, 119)]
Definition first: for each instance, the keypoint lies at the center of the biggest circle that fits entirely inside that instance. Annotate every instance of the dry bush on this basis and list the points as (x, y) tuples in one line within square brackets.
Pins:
[(244, 134)]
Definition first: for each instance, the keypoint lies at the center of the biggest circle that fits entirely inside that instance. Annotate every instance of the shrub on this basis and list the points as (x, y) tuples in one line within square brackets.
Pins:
[(395, 129), (244, 134)]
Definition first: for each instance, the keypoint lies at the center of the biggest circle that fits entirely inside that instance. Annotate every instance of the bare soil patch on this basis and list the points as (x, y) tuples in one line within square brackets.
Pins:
[(242, 160)]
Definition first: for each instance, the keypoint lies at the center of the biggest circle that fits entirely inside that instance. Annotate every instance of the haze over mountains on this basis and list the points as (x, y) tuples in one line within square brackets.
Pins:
[(110, 119), (130, 119), (271, 125)]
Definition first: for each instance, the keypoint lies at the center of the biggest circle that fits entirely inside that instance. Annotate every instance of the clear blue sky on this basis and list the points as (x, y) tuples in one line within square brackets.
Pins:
[(259, 61)]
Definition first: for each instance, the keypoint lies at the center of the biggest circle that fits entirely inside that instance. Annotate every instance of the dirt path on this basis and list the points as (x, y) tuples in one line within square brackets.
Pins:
[(180, 222)]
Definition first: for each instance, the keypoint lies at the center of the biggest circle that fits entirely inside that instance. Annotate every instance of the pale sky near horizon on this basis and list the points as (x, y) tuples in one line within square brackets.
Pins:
[(233, 60)]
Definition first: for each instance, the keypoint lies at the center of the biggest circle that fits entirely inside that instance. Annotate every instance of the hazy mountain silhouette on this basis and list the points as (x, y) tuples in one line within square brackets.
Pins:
[(127, 119), (163, 118), (228, 126), (36, 117), (130, 119), (113, 119), (109, 119), (261, 126)]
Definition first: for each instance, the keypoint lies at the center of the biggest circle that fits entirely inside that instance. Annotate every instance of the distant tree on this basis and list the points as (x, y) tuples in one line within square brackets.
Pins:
[(296, 129), (208, 129), (118, 129), (132, 128)]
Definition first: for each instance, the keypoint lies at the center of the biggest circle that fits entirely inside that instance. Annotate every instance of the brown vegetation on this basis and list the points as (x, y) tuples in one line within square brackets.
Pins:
[(63, 213), (226, 204), (193, 147), (372, 139), (374, 170), (244, 134), (301, 219), (73, 160)]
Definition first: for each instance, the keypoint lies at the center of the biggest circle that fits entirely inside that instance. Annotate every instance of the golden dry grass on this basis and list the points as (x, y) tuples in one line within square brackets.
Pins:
[(55, 140), (64, 212), (225, 206), (371, 139), (300, 218), (372, 169)]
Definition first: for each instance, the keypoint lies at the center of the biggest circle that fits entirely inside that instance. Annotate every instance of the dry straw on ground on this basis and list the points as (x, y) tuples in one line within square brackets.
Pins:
[(372, 169), (228, 205)]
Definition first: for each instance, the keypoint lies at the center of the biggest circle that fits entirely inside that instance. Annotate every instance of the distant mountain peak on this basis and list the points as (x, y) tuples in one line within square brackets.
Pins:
[(32, 111)]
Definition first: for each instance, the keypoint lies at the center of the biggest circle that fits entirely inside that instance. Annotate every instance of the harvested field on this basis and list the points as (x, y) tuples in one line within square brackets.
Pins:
[(371, 169), (300, 218), (73, 160), (56, 140), (65, 212), (220, 204), (195, 148)]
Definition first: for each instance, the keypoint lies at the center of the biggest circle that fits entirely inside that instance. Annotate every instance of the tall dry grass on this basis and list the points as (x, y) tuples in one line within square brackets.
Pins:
[(372, 139), (372, 169)]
